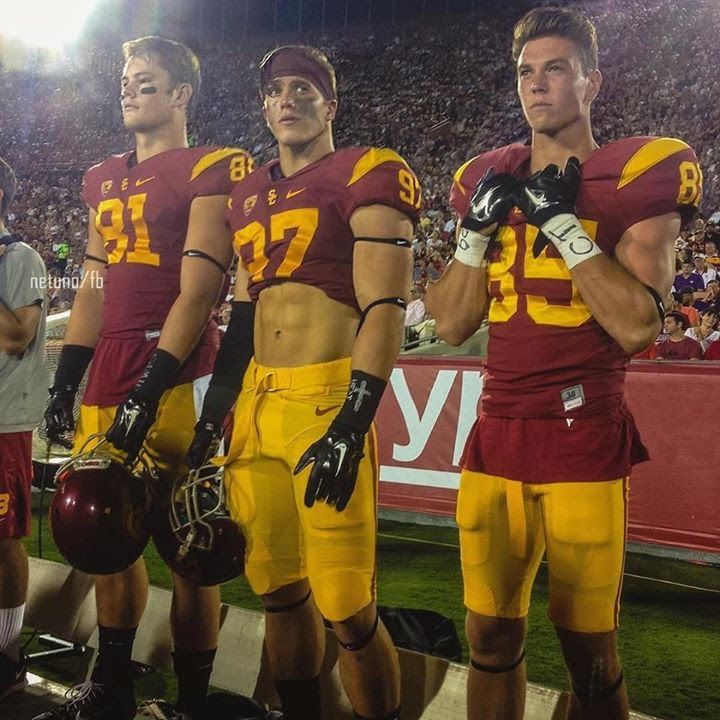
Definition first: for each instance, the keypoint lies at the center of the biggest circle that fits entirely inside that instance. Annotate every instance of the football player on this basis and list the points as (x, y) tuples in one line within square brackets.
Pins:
[(22, 378), (324, 241), (567, 247), (157, 255)]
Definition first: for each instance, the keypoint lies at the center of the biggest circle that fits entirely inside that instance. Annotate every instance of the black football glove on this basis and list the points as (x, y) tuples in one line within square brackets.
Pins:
[(493, 198), (549, 193), (335, 457), (132, 421), (204, 445), (59, 420)]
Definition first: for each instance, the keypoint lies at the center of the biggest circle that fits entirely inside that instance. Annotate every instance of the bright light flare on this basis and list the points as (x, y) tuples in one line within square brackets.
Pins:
[(45, 23)]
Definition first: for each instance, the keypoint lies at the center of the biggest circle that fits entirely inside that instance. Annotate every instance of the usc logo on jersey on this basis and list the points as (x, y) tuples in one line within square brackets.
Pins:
[(250, 203), (272, 196)]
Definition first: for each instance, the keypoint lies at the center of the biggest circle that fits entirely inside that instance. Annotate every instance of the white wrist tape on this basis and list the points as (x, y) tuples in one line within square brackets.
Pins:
[(571, 239), (471, 247)]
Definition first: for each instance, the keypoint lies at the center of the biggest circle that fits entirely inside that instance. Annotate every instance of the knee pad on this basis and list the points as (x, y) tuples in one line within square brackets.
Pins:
[(290, 606), (363, 641), (594, 691), (495, 669)]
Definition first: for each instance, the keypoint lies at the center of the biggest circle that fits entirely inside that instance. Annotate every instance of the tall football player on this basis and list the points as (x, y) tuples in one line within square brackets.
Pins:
[(324, 242), (569, 265), (157, 238)]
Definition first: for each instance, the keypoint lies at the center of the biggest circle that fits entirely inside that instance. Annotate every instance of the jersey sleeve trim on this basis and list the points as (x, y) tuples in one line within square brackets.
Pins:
[(371, 159), (211, 158), (648, 156)]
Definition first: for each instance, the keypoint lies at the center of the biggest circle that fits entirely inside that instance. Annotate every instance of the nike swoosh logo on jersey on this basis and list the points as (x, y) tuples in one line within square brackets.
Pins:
[(323, 411), (138, 183), (293, 193)]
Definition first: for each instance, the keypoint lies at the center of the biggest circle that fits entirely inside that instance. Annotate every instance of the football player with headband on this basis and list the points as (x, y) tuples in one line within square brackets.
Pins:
[(323, 238), (568, 248), (157, 238)]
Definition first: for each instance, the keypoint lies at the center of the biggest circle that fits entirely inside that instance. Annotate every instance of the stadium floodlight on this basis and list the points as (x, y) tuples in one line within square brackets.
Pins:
[(45, 23)]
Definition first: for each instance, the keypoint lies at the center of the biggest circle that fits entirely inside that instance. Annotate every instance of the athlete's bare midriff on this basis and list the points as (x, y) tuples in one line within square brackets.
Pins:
[(300, 325)]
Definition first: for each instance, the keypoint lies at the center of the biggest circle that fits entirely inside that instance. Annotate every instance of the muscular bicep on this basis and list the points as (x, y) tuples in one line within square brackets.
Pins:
[(207, 232), (379, 269), (647, 251)]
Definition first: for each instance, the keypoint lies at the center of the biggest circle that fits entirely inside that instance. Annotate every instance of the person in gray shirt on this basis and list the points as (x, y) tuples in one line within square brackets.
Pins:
[(23, 384)]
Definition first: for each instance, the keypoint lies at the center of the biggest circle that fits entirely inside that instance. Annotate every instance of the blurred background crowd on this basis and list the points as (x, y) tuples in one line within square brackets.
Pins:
[(438, 93)]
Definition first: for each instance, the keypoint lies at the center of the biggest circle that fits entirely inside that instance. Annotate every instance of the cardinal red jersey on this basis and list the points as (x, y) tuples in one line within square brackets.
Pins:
[(297, 228), (547, 356), (142, 212)]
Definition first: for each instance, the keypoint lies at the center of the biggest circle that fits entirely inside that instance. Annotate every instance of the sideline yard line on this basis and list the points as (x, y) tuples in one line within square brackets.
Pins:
[(419, 540), (670, 582), (627, 574)]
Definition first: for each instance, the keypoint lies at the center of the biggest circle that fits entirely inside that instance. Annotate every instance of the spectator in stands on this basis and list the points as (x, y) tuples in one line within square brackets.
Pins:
[(687, 278), (711, 255), (22, 388), (62, 252), (224, 316), (706, 333), (711, 298), (686, 302), (707, 272), (414, 313), (678, 346)]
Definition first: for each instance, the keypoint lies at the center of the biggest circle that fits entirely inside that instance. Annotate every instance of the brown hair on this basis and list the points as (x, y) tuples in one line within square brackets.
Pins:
[(8, 185), (560, 22), (679, 318), (178, 60)]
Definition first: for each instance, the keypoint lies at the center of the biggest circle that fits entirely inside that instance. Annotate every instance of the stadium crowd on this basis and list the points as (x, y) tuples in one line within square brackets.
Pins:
[(435, 93)]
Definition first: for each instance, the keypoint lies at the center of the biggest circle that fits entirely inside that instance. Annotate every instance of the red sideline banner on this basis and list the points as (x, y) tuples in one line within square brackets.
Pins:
[(431, 403)]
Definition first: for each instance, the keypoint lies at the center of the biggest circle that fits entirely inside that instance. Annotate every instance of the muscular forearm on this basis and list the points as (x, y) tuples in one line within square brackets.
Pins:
[(85, 318), (378, 342), (185, 323), (458, 302), (619, 302)]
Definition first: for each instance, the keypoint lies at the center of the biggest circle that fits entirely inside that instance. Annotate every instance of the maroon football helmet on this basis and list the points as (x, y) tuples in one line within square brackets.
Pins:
[(193, 531), (100, 515)]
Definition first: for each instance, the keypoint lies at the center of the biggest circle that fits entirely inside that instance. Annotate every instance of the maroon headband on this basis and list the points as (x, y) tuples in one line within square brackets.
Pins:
[(289, 60)]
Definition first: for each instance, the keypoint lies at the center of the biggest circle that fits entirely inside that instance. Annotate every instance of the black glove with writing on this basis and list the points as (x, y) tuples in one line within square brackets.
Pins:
[(137, 414), (132, 421), (335, 458)]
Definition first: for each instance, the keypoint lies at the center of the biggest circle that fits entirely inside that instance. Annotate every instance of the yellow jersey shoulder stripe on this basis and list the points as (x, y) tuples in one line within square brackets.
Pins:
[(371, 159), (213, 157), (649, 155), (458, 176)]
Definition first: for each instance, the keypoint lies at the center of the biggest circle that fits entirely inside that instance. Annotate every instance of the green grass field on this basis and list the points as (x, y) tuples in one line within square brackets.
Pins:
[(669, 634)]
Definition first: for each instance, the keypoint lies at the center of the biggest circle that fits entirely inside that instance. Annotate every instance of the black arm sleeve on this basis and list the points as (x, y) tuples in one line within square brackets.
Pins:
[(232, 360), (73, 362)]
